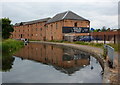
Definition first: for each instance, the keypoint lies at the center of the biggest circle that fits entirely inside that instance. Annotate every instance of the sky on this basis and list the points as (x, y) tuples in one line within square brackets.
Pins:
[(99, 12)]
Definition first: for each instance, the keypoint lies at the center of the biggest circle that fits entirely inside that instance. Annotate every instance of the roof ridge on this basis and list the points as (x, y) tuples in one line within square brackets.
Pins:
[(65, 15)]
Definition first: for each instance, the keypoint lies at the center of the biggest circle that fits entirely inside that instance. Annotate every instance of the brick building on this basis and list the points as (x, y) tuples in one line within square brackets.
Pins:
[(56, 28), (34, 30)]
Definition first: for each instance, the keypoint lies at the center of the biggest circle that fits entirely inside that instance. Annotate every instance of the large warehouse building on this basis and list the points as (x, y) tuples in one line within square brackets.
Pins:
[(60, 27)]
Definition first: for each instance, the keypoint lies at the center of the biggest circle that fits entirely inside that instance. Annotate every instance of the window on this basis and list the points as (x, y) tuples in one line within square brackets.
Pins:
[(51, 26), (36, 29), (31, 34), (41, 29), (75, 24)]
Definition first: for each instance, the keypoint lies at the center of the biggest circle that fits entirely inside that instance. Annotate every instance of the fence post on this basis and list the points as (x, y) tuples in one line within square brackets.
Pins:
[(114, 39), (104, 39)]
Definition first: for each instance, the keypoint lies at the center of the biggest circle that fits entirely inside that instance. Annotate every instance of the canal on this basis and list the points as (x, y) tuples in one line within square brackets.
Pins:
[(44, 63)]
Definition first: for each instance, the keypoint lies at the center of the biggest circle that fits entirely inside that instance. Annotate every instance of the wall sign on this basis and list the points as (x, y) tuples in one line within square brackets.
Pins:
[(75, 29)]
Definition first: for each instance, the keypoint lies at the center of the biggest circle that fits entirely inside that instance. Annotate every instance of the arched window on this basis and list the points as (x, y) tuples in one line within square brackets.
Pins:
[(75, 24)]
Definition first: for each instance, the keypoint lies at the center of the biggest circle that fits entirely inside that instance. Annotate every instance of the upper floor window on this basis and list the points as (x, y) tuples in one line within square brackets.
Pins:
[(51, 26), (75, 24), (41, 29)]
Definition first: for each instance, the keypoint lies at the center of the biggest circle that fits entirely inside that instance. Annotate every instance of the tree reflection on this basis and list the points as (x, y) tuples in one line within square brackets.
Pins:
[(7, 61)]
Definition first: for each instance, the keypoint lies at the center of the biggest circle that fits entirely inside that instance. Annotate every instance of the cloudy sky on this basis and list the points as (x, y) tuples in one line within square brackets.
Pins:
[(100, 13)]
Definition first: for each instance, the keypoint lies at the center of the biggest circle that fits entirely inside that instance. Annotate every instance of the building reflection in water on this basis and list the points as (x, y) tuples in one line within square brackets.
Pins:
[(64, 59)]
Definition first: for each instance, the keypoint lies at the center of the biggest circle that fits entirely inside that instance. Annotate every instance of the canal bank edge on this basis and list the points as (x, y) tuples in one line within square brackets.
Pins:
[(94, 51)]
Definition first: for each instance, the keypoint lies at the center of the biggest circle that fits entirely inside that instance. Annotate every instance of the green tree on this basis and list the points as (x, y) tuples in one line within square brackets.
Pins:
[(7, 27), (103, 29), (108, 29), (97, 30)]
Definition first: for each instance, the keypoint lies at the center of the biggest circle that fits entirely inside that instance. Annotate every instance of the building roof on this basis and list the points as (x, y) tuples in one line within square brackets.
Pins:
[(32, 22), (66, 15)]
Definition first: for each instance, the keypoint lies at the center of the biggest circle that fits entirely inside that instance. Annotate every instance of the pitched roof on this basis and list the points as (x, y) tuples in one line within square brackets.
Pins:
[(66, 15), (32, 22)]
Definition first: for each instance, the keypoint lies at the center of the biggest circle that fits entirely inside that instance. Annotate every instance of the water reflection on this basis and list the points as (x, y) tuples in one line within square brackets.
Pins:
[(7, 61), (43, 63), (66, 60)]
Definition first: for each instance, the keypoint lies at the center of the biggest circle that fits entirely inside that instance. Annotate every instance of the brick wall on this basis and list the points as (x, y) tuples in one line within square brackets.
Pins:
[(54, 30), (32, 31)]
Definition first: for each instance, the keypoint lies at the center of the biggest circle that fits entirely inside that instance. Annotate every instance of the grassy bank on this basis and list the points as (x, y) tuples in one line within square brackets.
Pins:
[(100, 45), (11, 45)]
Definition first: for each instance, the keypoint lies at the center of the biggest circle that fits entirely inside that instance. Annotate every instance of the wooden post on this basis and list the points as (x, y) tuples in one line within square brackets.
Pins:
[(104, 39), (114, 39)]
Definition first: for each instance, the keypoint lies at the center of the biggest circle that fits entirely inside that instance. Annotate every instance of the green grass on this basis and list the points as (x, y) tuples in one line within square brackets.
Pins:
[(115, 46), (100, 45), (11, 45)]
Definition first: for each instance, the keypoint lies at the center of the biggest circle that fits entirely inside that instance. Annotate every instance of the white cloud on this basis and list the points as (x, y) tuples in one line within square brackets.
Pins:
[(98, 12)]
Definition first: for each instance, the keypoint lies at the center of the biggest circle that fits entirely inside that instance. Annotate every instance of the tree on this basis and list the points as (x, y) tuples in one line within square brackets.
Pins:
[(103, 29), (108, 29), (7, 27), (97, 30)]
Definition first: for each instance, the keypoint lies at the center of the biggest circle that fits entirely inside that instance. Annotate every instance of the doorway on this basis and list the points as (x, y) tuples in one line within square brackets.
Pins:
[(21, 35)]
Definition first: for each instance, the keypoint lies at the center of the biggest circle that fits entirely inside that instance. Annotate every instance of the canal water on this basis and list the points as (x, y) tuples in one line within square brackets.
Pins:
[(43, 63)]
